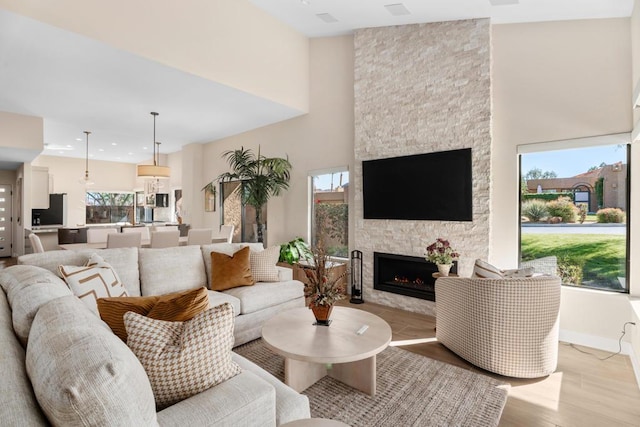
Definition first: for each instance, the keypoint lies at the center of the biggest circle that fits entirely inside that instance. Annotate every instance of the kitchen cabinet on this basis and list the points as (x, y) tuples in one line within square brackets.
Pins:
[(39, 187)]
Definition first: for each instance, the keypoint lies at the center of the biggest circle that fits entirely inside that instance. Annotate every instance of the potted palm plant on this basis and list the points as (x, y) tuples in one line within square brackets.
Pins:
[(261, 177)]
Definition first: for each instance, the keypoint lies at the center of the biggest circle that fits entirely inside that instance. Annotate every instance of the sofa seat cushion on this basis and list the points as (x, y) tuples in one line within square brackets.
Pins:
[(123, 260), (81, 373), (290, 405), (219, 298), (28, 288), (167, 270), (244, 400), (264, 295), (184, 358)]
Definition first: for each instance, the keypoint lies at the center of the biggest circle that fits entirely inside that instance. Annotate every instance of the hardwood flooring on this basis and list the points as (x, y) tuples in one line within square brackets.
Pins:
[(584, 391)]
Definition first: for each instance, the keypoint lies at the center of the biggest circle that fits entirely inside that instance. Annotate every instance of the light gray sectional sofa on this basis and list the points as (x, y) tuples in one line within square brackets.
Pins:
[(62, 365)]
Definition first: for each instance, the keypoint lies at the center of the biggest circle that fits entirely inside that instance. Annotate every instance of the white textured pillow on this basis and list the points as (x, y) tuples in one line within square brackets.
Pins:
[(95, 280), (263, 264), (485, 270), (518, 272), (183, 358)]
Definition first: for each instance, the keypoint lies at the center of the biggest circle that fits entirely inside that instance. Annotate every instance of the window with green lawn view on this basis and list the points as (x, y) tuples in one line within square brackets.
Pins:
[(574, 209), (330, 211), (109, 208)]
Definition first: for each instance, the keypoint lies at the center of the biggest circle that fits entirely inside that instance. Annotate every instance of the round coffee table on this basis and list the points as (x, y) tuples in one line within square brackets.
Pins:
[(311, 351)]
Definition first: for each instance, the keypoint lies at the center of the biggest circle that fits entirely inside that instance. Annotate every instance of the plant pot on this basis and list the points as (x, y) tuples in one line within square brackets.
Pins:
[(322, 313), (443, 269)]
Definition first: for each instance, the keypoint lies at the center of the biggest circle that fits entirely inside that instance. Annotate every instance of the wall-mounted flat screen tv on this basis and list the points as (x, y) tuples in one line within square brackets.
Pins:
[(431, 186)]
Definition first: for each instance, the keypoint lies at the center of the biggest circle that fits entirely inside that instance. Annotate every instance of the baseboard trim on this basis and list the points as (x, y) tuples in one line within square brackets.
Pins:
[(604, 344)]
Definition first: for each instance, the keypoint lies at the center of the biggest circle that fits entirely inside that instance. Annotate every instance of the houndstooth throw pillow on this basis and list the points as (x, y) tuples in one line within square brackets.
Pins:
[(263, 264), (183, 358), (95, 280)]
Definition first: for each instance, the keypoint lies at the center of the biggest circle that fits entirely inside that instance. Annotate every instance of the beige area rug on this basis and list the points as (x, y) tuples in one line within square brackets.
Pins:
[(412, 390)]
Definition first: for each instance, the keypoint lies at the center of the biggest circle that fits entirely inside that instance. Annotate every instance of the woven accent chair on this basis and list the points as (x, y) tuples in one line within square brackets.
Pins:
[(506, 326)]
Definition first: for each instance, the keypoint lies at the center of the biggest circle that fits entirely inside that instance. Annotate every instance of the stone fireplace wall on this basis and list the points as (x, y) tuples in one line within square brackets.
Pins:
[(419, 89)]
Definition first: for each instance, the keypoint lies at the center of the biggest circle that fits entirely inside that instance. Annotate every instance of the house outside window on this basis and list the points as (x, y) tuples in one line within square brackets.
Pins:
[(574, 209)]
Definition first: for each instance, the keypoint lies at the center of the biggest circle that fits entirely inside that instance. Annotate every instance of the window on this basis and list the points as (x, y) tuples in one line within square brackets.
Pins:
[(109, 208), (584, 223), (330, 211)]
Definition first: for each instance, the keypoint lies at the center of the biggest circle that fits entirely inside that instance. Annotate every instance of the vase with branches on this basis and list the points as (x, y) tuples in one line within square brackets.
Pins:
[(261, 178), (322, 289)]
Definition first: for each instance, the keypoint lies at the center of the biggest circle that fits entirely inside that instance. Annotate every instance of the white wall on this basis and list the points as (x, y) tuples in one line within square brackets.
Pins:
[(321, 139), (553, 81), (67, 172), (228, 41)]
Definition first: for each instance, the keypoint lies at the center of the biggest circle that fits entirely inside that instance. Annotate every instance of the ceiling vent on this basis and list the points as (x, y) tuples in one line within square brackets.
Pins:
[(327, 18), (397, 9)]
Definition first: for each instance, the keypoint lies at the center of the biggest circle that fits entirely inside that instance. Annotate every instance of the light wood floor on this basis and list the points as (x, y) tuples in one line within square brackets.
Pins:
[(583, 391)]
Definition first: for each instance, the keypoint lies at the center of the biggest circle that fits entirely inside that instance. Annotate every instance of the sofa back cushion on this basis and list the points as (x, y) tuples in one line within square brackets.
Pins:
[(167, 270), (18, 405), (27, 289), (81, 373), (123, 260)]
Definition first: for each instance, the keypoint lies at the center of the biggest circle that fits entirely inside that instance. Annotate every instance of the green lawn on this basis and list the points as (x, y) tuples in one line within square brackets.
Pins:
[(599, 258)]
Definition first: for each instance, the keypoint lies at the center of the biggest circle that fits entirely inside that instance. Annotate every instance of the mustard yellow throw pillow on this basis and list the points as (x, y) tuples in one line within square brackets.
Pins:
[(178, 306), (231, 271)]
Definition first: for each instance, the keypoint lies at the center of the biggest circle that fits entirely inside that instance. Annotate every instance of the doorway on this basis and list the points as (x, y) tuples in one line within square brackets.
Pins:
[(5, 221)]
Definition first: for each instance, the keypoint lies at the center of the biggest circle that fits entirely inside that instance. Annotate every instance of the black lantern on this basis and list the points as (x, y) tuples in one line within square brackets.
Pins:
[(356, 278)]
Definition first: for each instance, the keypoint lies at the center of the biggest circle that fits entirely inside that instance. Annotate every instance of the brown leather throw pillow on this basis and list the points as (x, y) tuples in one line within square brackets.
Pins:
[(231, 271)]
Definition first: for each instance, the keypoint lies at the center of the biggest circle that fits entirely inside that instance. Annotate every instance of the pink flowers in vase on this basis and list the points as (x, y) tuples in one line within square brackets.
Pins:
[(441, 252)]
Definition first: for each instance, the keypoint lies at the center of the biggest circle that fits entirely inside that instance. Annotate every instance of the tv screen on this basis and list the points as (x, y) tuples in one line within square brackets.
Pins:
[(432, 186)]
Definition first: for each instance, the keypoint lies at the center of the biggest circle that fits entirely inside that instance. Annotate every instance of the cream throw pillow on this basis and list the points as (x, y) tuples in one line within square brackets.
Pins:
[(263, 264), (97, 279), (485, 270), (183, 358)]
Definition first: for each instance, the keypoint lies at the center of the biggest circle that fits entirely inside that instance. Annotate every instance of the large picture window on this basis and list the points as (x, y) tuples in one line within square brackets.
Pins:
[(574, 210), (109, 208)]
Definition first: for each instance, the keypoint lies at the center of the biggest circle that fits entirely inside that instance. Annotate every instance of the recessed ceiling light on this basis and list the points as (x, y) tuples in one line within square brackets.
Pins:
[(327, 18), (144, 148), (69, 146), (78, 139), (114, 143), (100, 149), (131, 154), (305, 2), (503, 2), (397, 9)]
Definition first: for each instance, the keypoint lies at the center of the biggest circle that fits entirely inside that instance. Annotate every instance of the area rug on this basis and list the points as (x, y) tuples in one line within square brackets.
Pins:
[(412, 390)]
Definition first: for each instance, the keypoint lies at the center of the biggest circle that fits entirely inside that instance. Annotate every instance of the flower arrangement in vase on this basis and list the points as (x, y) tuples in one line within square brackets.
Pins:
[(322, 289), (442, 254)]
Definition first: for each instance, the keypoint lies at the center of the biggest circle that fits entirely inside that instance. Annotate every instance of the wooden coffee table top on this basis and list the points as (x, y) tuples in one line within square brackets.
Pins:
[(293, 334)]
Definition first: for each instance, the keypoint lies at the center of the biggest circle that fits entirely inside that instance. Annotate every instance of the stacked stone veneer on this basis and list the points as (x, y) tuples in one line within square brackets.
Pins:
[(419, 89)]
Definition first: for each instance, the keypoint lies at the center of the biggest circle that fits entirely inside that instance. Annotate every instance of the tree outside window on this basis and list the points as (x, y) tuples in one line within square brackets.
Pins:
[(109, 208)]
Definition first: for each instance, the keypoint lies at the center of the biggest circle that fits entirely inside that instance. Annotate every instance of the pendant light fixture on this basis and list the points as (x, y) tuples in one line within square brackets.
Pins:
[(154, 171), (86, 180)]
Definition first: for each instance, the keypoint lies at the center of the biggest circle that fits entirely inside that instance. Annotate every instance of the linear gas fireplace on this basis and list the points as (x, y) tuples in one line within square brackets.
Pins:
[(405, 275)]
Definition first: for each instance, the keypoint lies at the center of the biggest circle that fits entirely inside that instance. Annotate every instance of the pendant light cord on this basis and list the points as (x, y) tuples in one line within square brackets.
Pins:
[(86, 162), (155, 163)]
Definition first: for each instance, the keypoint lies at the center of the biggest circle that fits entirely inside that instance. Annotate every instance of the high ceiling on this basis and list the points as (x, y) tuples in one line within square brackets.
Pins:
[(353, 14), (76, 83)]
